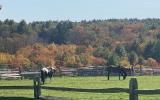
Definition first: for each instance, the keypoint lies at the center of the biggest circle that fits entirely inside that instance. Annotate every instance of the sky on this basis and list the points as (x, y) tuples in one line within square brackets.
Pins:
[(77, 10)]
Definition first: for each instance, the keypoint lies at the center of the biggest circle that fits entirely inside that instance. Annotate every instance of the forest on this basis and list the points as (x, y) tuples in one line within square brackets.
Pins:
[(128, 42)]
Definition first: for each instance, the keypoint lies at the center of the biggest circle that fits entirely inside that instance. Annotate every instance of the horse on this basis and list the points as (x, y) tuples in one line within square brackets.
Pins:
[(47, 72), (116, 69)]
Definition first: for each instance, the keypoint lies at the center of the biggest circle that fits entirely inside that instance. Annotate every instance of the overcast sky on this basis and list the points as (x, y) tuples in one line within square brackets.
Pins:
[(76, 10)]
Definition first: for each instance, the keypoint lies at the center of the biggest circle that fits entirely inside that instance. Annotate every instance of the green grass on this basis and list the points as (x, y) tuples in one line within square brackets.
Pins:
[(144, 82)]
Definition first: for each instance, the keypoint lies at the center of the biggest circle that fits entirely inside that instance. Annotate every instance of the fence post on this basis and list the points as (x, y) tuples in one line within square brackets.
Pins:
[(34, 86), (133, 87), (37, 87)]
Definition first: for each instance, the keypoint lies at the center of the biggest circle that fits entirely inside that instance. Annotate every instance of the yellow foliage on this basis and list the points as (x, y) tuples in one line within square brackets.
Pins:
[(5, 57), (125, 62)]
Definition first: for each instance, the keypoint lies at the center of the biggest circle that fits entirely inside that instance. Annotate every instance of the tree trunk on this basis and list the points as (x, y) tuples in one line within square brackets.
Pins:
[(140, 70), (132, 71)]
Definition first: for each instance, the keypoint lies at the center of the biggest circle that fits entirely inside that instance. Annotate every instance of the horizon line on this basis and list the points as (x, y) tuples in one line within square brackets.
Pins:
[(87, 20)]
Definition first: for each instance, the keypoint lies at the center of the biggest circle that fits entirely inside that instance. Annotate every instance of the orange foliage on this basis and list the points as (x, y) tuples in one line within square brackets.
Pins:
[(132, 27), (19, 61), (51, 55), (98, 61), (152, 63)]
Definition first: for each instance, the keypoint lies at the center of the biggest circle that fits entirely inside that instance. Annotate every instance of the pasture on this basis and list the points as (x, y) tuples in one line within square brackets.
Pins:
[(100, 82)]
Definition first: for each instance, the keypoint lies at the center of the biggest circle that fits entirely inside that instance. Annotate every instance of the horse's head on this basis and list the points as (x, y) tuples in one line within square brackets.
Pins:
[(52, 69), (45, 70)]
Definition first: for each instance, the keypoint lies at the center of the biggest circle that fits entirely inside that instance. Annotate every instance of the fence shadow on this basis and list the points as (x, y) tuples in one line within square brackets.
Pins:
[(15, 98), (16, 87), (108, 90), (149, 92)]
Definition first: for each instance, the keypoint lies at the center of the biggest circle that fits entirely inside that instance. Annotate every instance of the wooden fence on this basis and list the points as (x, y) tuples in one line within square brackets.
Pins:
[(132, 90)]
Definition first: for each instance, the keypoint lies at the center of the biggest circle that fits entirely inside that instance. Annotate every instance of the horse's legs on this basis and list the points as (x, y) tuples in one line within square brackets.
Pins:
[(119, 76), (50, 77), (42, 77), (108, 74), (125, 75), (42, 80)]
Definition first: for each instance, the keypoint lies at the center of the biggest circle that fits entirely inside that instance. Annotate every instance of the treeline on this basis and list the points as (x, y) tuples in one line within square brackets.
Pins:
[(129, 42), (96, 33)]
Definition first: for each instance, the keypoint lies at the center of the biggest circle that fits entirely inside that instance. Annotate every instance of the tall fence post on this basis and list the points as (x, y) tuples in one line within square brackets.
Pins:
[(37, 87), (133, 87)]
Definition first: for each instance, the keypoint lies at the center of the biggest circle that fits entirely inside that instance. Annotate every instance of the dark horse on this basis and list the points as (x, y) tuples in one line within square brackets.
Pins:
[(47, 72), (116, 69)]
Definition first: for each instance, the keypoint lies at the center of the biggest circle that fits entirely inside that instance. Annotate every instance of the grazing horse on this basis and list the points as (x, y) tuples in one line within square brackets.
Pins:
[(47, 72), (116, 69)]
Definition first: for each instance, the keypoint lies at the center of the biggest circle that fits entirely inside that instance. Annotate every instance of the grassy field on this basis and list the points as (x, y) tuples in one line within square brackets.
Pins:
[(144, 82)]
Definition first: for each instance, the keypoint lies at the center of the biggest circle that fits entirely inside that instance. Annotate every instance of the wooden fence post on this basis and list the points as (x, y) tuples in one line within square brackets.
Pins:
[(37, 87), (133, 87), (34, 86)]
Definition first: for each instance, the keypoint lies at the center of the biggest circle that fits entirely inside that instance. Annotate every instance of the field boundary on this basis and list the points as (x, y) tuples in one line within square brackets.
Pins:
[(107, 90), (132, 90), (16, 87)]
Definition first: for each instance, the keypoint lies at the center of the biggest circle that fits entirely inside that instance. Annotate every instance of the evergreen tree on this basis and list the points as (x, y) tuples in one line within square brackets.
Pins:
[(133, 59), (60, 31), (113, 59), (158, 36), (120, 50), (148, 50), (22, 27), (141, 62), (156, 50)]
